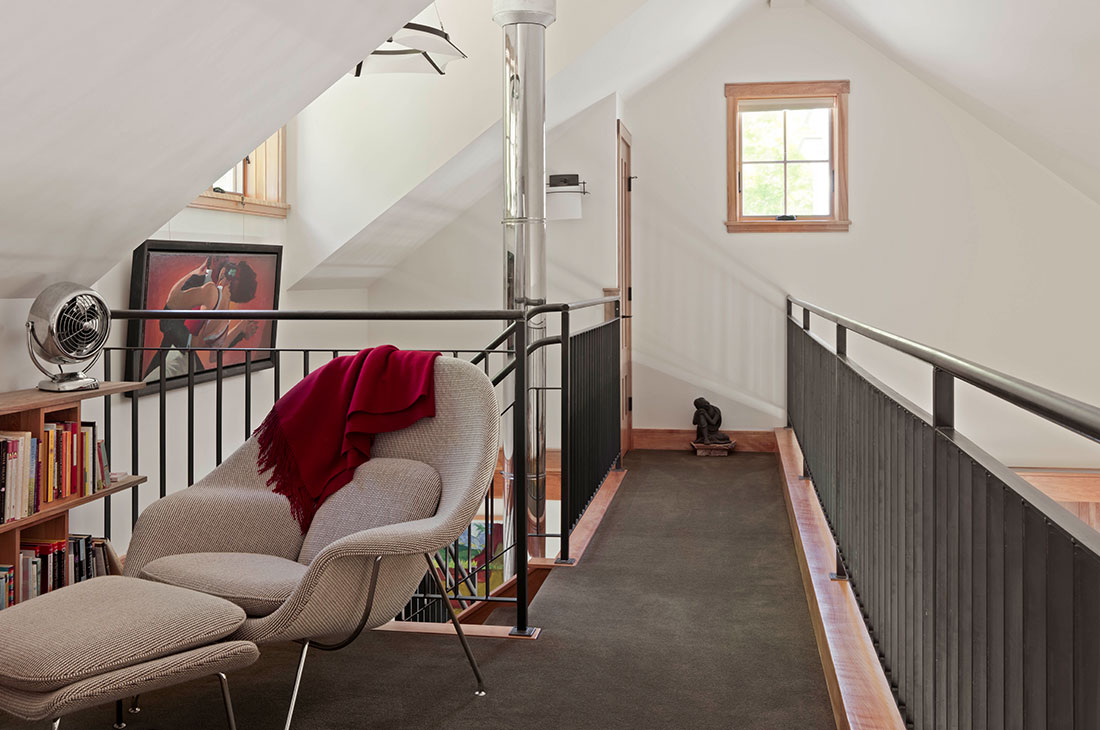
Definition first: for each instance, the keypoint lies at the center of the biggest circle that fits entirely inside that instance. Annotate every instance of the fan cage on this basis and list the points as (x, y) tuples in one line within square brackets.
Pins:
[(81, 326)]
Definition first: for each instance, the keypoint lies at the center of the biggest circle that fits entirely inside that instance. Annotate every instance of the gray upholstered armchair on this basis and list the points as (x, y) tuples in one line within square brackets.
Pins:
[(364, 555)]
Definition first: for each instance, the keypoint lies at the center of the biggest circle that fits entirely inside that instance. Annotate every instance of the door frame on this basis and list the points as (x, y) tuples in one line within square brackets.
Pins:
[(624, 147)]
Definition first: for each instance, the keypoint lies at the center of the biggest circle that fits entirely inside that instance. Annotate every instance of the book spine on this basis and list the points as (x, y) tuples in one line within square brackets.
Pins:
[(74, 458), (13, 477), (3, 482)]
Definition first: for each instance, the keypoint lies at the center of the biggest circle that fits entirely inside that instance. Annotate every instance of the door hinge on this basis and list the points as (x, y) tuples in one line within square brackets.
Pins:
[(630, 183), (630, 403), (630, 294)]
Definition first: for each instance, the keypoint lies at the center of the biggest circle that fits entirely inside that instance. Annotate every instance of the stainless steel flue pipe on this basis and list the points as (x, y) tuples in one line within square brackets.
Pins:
[(524, 121)]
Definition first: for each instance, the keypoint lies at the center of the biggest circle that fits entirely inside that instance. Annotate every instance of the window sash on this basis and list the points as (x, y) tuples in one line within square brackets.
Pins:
[(786, 104), (775, 103)]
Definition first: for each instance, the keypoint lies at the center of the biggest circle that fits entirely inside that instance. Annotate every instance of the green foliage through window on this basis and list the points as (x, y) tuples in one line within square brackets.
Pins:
[(785, 162)]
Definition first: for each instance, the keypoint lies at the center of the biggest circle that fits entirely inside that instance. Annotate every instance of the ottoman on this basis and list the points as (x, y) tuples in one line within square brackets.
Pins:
[(113, 637)]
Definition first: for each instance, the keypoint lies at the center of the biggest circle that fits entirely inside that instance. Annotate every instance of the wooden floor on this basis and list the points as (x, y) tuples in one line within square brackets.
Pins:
[(858, 688), (1076, 490)]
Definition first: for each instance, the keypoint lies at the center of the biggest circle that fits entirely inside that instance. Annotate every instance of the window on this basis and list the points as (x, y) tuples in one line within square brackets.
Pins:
[(788, 156), (256, 184)]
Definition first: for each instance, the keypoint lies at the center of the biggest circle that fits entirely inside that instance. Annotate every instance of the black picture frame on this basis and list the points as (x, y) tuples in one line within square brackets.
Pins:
[(139, 292)]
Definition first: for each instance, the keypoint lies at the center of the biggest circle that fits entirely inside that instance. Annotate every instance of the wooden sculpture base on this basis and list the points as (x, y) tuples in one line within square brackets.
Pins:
[(713, 449)]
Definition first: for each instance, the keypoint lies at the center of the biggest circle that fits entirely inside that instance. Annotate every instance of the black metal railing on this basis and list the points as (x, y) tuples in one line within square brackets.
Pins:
[(590, 408), (473, 564), (981, 594)]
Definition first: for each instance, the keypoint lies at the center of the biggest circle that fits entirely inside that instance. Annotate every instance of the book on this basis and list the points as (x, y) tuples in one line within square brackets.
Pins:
[(7, 586), (104, 466)]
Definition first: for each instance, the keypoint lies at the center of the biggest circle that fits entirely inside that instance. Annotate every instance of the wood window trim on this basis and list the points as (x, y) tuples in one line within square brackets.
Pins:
[(839, 221), (268, 176), (234, 203)]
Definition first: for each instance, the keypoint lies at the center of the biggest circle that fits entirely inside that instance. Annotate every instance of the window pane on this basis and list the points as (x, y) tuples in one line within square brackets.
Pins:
[(808, 134), (230, 182), (762, 190), (808, 188), (762, 136)]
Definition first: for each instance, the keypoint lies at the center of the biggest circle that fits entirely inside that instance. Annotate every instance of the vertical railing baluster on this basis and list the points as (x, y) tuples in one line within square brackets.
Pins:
[(565, 501), (247, 394), (162, 398), (191, 356), (277, 376), (218, 398), (134, 452), (519, 471), (107, 438)]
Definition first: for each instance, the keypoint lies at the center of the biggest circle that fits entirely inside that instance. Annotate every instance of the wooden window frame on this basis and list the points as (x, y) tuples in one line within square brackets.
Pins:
[(259, 175), (838, 220)]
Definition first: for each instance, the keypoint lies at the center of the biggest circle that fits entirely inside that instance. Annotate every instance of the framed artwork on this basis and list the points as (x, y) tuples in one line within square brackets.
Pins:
[(200, 276)]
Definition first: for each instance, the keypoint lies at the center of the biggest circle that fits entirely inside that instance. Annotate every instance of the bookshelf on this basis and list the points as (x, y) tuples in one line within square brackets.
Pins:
[(30, 410)]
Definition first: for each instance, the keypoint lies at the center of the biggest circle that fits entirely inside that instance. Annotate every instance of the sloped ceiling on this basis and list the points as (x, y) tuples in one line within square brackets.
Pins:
[(649, 41), (117, 114), (1031, 71)]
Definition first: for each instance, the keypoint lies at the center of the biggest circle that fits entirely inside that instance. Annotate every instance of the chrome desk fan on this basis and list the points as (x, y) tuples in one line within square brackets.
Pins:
[(68, 325)]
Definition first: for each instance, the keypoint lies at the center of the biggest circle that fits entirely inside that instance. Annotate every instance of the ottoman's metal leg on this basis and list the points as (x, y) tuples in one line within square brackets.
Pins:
[(297, 682), (56, 723), (119, 722), (228, 702), (135, 708)]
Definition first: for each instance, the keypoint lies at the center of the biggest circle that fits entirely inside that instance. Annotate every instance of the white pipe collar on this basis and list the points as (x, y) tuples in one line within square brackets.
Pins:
[(539, 12)]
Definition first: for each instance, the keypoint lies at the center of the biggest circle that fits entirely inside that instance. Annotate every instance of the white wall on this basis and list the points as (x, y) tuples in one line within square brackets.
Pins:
[(461, 267), (368, 141), (224, 227), (958, 239)]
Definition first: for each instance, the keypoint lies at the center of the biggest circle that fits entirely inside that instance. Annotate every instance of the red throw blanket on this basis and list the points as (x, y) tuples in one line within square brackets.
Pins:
[(321, 430)]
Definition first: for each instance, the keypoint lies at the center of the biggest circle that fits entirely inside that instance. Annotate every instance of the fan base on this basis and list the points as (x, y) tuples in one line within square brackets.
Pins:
[(69, 382)]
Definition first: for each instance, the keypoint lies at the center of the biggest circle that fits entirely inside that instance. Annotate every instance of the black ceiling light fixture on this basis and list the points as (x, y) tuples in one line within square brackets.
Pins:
[(418, 47)]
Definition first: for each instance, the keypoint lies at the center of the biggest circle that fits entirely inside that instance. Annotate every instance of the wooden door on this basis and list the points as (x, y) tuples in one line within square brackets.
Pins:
[(625, 340)]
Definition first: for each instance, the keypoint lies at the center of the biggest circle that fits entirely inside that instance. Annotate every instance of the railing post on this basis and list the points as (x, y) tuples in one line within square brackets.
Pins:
[(619, 375), (806, 319), (107, 437), (841, 572), (943, 399), (519, 477), (566, 504)]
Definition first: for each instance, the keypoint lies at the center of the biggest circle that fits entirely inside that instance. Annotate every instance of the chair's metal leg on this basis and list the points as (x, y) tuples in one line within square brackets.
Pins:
[(228, 701), (458, 627), (297, 682), (135, 708), (119, 723)]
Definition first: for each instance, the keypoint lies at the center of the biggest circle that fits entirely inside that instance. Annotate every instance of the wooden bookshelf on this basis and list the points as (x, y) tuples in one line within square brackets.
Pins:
[(30, 410)]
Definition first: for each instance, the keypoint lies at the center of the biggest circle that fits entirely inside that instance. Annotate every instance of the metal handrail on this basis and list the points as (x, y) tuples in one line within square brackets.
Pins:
[(1075, 415), (570, 306), (322, 315)]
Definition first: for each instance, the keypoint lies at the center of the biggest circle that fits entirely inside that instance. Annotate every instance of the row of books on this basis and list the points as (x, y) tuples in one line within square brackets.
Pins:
[(68, 461), (46, 565)]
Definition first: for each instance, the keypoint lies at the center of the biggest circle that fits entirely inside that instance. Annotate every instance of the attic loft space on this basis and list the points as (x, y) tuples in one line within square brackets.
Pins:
[(549, 363)]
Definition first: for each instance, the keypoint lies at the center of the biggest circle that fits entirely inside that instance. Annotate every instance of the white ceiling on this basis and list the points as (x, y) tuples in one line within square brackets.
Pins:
[(1031, 71), (116, 114), (669, 29)]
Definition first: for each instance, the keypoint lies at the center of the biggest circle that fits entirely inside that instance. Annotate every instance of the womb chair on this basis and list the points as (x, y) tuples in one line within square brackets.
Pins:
[(364, 554)]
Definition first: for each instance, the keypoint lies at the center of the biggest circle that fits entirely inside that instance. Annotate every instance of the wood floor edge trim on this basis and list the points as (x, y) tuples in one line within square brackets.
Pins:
[(858, 688), (679, 439), (478, 631), (538, 569), (592, 518)]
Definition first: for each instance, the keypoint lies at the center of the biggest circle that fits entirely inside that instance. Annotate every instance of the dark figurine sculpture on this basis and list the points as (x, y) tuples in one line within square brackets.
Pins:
[(708, 421)]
